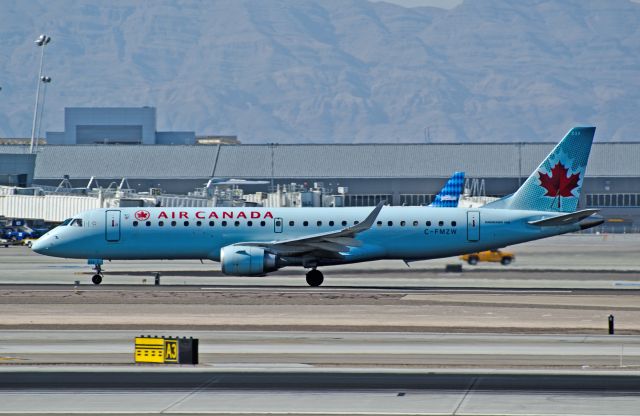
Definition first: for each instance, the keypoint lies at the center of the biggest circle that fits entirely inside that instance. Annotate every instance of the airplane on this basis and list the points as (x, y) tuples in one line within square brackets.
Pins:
[(449, 195), (252, 241)]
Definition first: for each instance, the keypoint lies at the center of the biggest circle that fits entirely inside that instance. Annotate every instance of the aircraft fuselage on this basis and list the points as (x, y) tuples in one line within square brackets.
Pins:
[(407, 233)]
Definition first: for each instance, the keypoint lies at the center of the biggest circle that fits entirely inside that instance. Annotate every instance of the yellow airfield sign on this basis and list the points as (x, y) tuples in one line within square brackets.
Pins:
[(156, 350)]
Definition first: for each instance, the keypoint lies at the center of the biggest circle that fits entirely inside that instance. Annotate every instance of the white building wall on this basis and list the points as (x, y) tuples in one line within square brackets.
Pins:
[(52, 208)]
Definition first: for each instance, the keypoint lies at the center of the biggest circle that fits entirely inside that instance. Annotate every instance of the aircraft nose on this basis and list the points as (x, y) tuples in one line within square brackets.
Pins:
[(39, 246), (44, 244)]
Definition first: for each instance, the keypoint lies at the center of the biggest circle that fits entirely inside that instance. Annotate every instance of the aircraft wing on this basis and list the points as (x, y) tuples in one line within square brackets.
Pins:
[(329, 244), (565, 219)]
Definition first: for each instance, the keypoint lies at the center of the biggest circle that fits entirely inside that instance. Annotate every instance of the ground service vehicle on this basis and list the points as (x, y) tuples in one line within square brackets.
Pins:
[(495, 256)]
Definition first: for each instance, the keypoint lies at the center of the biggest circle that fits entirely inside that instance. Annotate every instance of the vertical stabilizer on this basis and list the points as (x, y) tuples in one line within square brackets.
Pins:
[(450, 194), (556, 184)]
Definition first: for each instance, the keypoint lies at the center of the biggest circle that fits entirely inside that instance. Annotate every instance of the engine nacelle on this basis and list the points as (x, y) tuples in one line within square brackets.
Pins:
[(247, 261)]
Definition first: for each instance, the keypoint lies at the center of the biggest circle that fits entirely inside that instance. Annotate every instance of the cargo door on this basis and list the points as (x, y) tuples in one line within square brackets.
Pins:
[(112, 225), (277, 225), (473, 226)]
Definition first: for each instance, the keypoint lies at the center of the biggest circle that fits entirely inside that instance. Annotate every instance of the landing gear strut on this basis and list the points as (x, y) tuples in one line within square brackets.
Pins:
[(314, 277), (97, 278)]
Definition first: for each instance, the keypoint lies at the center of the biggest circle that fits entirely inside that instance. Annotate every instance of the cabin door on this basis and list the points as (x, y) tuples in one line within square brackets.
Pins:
[(473, 226), (112, 225), (277, 225)]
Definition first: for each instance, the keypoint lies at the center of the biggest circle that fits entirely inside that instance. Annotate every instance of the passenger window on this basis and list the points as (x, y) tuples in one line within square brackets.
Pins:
[(148, 223), (379, 223), (237, 223), (331, 223), (198, 223), (319, 223), (278, 223), (356, 222), (428, 223), (402, 223), (186, 223), (262, 223), (305, 223), (249, 223), (291, 223), (415, 223), (161, 223), (390, 223), (440, 223), (224, 223), (344, 223), (135, 223), (453, 223), (211, 223), (173, 223)]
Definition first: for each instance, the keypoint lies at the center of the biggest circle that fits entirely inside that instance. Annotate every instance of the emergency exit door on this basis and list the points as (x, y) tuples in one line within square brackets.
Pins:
[(112, 225), (277, 225), (473, 226)]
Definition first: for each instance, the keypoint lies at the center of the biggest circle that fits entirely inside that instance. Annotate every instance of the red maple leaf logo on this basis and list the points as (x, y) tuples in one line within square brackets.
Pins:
[(559, 184), (142, 215)]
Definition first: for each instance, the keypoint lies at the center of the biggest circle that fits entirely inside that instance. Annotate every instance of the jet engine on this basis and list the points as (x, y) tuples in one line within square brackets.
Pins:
[(247, 261)]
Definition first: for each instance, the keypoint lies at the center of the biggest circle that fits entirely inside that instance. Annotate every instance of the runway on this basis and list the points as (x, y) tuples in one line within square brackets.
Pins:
[(332, 392)]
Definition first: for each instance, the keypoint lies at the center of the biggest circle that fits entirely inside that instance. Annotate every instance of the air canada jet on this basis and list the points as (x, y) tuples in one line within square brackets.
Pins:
[(255, 241)]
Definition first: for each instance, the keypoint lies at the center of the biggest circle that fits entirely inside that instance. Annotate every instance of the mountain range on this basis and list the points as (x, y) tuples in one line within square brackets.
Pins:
[(334, 71)]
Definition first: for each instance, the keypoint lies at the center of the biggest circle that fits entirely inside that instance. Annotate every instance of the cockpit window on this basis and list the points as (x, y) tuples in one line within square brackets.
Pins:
[(65, 222), (77, 222)]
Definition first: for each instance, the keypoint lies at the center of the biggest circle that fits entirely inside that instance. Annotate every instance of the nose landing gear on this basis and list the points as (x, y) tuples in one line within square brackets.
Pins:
[(96, 279), (314, 277)]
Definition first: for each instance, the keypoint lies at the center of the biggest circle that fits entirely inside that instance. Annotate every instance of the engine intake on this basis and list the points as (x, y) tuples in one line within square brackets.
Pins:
[(247, 261)]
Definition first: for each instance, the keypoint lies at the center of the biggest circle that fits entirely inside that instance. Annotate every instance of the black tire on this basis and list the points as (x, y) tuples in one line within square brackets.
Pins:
[(29, 244), (314, 278), (96, 279), (505, 261), (473, 260)]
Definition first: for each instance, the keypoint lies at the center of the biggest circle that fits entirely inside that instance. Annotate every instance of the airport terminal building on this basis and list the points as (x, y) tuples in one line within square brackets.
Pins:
[(115, 125), (402, 174)]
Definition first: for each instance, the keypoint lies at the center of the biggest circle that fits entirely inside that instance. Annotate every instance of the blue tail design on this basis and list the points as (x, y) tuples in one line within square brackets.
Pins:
[(450, 194), (556, 184)]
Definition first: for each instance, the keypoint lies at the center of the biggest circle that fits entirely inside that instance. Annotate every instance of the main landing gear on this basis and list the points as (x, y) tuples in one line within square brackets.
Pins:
[(97, 278), (314, 277)]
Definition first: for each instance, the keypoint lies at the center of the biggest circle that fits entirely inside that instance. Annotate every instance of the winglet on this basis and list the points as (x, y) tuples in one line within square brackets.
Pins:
[(368, 222)]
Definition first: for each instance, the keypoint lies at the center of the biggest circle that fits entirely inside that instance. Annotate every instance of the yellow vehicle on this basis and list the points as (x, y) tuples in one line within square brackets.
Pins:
[(504, 257)]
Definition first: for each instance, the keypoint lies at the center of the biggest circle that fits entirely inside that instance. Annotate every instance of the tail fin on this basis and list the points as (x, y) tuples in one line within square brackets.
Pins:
[(450, 194), (556, 184)]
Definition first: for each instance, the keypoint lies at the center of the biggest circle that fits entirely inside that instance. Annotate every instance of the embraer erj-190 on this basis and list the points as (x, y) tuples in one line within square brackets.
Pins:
[(255, 241)]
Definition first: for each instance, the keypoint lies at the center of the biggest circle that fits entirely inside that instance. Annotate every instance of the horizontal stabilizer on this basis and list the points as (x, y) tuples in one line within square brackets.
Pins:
[(565, 219)]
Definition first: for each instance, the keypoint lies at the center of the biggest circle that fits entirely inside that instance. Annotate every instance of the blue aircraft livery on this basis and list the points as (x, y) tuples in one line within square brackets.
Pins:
[(255, 241), (449, 196)]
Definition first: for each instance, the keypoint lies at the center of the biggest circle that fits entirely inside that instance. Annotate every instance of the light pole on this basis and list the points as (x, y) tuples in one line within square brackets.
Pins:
[(42, 41), (45, 80)]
